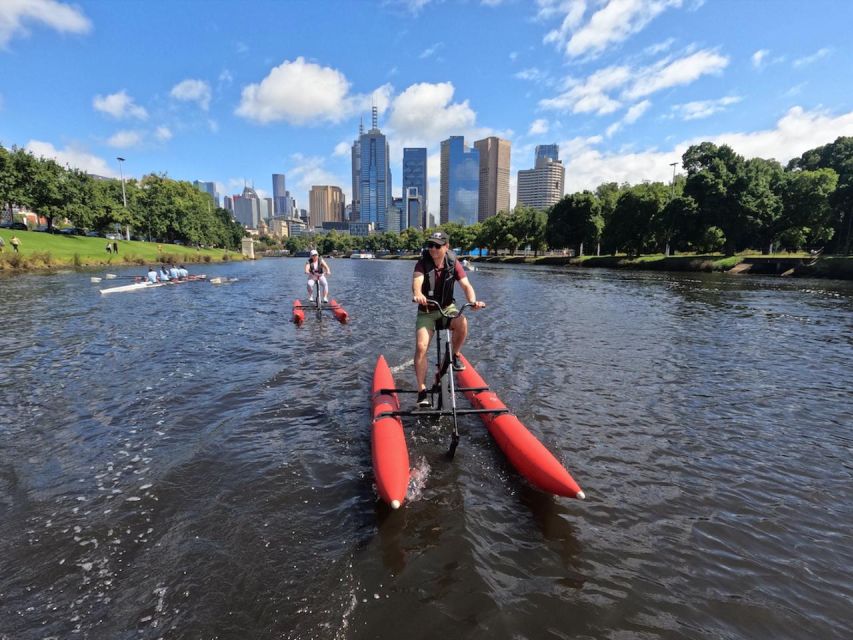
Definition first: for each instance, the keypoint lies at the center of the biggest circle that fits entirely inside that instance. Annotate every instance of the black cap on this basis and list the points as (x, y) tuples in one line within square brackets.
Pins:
[(438, 237)]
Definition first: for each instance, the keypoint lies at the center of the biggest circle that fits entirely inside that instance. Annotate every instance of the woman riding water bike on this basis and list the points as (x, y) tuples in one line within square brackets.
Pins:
[(317, 270)]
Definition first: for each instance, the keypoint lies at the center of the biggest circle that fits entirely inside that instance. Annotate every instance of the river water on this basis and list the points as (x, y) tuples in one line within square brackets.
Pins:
[(184, 462)]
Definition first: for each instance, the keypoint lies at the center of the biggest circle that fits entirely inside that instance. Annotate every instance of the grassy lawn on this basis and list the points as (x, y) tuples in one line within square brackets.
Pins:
[(46, 250)]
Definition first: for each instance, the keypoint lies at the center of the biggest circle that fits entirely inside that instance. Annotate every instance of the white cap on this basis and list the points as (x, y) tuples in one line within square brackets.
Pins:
[(313, 252)]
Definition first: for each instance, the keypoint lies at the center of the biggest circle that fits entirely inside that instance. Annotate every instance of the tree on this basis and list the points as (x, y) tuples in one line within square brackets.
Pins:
[(712, 175), (575, 220), (530, 227), (806, 201), (677, 224), (632, 226), (759, 196)]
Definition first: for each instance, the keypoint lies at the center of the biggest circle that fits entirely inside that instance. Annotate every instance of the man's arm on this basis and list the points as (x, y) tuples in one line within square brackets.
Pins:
[(326, 267), (417, 284), (470, 296)]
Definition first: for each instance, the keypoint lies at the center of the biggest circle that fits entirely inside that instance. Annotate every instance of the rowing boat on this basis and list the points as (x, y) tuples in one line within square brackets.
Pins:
[(387, 440), (138, 286), (524, 451)]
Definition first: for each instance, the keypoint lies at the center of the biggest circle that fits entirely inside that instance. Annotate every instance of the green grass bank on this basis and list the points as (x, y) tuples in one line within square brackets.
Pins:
[(45, 251)]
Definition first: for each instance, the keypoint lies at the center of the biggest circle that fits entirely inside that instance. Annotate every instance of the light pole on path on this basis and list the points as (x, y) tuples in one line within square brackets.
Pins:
[(123, 196), (671, 196)]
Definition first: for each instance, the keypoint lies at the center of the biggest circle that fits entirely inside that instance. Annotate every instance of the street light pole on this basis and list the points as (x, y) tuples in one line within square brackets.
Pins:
[(123, 196)]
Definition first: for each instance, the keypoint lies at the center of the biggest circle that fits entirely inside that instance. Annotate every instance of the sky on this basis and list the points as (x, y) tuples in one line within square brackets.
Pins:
[(232, 92)]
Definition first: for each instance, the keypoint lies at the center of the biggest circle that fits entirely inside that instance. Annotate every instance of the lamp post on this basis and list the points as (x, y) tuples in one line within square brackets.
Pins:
[(671, 196), (123, 196)]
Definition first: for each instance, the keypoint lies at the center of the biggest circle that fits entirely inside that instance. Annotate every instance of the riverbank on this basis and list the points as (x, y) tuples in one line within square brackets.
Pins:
[(838, 267), (46, 251)]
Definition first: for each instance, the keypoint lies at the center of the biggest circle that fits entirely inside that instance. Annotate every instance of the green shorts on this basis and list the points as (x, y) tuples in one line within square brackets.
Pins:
[(427, 319)]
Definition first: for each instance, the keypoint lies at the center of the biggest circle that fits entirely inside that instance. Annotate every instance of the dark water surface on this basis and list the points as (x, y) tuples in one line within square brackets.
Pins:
[(185, 463)]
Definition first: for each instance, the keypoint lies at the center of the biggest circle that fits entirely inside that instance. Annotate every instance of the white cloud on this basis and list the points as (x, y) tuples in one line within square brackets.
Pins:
[(590, 95), (119, 105), (667, 74), (431, 51), (73, 157), (572, 12), (425, 112), (703, 108), (301, 92), (14, 14), (758, 58), (191, 90), (807, 60), (631, 116), (163, 134), (538, 127), (342, 149), (125, 139), (613, 23), (794, 133)]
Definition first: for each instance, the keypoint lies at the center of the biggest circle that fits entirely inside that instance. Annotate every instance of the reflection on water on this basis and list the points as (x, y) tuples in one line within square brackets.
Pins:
[(184, 462)]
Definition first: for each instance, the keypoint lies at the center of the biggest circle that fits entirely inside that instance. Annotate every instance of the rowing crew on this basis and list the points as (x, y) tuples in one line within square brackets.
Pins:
[(165, 275)]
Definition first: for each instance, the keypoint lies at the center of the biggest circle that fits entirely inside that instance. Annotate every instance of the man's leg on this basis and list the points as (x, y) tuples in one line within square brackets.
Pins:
[(459, 328), (422, 339), (325, 284), (310, 288)]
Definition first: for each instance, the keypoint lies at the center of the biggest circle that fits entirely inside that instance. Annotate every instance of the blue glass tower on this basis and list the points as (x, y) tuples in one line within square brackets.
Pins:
[(375, 176), (460, 181), (415, 175)]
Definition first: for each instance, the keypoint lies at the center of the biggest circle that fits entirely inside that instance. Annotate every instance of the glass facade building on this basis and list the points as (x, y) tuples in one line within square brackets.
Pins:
[(415, 176), (460, 182), (375, 178), (279, 194), (548, 151)]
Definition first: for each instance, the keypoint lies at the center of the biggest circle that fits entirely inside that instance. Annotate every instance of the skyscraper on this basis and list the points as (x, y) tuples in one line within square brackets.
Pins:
[(542, 186), (548, 151), (326, 204), (279, 194), (374, 189), (208, 188), (415, 175), (494, 176), (247, 208), (460, 182), (356, 174)]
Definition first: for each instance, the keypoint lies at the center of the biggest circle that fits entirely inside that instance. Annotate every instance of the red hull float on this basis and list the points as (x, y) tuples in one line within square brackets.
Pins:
[(388, 442), (341, 315), (298, 313), (526, 453)]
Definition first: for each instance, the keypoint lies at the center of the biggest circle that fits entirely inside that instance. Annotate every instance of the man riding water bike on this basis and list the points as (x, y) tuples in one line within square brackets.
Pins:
[(317, 270), (435, 275)]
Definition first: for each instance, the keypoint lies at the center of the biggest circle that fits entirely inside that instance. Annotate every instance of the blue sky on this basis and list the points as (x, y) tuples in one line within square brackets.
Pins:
[(235, 91)]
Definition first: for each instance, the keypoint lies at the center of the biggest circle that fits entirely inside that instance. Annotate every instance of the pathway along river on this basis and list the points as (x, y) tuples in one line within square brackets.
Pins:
[(185, 463)]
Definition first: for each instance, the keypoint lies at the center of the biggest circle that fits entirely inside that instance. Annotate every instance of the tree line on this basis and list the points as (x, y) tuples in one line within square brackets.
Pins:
[(158, 208)]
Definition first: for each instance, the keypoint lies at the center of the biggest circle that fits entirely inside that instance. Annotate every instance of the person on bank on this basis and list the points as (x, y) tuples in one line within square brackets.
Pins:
[(435, 275), (317, 270)]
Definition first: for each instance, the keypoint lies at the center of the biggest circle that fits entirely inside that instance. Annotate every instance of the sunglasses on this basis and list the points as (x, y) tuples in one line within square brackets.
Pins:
[(432, 245)]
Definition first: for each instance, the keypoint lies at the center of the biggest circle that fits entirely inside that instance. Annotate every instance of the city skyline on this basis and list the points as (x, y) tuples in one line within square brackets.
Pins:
[(623, 87)]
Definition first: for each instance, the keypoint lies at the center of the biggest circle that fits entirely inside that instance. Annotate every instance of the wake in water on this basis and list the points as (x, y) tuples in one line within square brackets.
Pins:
[(405, 365)]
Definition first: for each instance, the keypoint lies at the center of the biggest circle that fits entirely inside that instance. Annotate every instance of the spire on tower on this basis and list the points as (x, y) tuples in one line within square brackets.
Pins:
[(361, 126), (375, 117)]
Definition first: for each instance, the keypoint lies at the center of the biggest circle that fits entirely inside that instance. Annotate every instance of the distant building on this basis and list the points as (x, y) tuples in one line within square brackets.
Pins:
[(326, 204), (415, 209), (209, 188), (394, 216), (415, 176), (548, 151), (542, 187), (356, 174), (229, 204), (493, 193), (278, 227), (374, 189), (342, 226), (247, 208), (279, 194), (460, 182), (361, 228)]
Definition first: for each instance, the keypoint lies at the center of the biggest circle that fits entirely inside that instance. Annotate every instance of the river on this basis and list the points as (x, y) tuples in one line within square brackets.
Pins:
[(184, 462)]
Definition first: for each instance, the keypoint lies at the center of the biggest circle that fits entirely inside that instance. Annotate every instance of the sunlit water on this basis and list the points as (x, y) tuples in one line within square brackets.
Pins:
[(184, 462)]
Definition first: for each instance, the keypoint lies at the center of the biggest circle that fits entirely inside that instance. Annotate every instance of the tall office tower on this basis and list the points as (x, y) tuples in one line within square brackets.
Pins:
[(247, 208), (325, 204), (494, 176), (289, 204), (208, 188), (229, 204), (415, 175), (548, 151), (374, 187), (460, 182), (356, 173), (267, 208), (279, 194), (394, 216), (542, 186), (414, 207)]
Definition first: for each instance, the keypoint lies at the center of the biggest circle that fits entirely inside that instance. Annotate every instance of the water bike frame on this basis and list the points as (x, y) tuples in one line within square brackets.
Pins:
[(444, 388)]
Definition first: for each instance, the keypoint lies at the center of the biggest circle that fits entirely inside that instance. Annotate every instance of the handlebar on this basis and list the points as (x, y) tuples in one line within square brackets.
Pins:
[(459, 312)]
